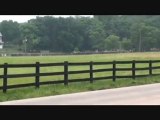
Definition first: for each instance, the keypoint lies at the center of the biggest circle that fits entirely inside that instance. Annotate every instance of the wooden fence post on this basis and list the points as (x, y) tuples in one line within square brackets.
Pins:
[(37, 75), (133, 69), (5, 78), (150, 67), (65, 72), (91, 72), (114, 71)]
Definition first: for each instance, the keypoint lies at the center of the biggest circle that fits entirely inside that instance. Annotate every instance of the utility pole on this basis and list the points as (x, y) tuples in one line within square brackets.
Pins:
[(120, 45), (140, 40), (25, 45)]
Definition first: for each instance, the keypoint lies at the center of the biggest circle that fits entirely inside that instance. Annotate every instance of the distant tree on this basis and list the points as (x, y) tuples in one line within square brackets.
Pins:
[(102, 32), (126, 44), (144, 37), (112, 42), (11, 32)]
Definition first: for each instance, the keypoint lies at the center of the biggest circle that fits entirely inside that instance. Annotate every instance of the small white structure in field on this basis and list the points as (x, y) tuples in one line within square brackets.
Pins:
[(1, 42)]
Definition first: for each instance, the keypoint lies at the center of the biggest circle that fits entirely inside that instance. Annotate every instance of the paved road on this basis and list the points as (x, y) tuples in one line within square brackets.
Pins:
[(135, 95)]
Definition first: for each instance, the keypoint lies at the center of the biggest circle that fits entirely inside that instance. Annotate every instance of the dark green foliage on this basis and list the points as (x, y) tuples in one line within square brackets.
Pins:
[(133, 32)]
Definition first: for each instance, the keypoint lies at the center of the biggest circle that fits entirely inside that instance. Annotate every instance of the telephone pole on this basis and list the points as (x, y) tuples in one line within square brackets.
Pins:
[(140, 40), (25, 45)]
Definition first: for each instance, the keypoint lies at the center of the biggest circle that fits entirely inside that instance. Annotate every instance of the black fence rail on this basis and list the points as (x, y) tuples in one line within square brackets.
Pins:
[(66, 72)]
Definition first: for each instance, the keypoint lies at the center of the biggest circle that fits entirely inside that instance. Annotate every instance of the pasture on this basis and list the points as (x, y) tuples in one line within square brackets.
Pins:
[(74, 87)]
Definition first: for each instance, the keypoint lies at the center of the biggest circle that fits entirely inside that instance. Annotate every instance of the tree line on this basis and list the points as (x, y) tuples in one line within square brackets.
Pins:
[(102, 33)]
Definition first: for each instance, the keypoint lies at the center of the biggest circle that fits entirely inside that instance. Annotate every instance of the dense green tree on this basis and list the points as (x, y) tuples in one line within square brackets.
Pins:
[(11, 31), (126, 44), (102, 32), (112, 42)]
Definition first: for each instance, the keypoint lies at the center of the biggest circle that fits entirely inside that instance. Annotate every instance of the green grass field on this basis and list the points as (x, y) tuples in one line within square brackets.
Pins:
[(46, 90)]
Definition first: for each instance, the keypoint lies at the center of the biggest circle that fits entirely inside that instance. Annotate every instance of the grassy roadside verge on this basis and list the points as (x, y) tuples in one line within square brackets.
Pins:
[(49, 90)]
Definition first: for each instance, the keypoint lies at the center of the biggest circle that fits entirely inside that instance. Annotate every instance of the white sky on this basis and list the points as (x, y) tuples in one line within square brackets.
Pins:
[(25, 18)]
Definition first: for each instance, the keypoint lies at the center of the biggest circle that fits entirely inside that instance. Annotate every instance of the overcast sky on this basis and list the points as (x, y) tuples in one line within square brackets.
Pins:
[(25, 18)]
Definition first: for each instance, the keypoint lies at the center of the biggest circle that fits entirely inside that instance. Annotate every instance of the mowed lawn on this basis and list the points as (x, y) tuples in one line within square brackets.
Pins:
[(46, 90)]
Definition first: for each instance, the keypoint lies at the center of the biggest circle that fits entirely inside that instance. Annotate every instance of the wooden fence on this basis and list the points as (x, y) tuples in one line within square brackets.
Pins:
[(66, 72)]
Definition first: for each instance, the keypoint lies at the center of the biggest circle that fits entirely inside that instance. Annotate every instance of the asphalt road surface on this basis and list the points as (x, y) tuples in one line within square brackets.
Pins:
[(135, 95)]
